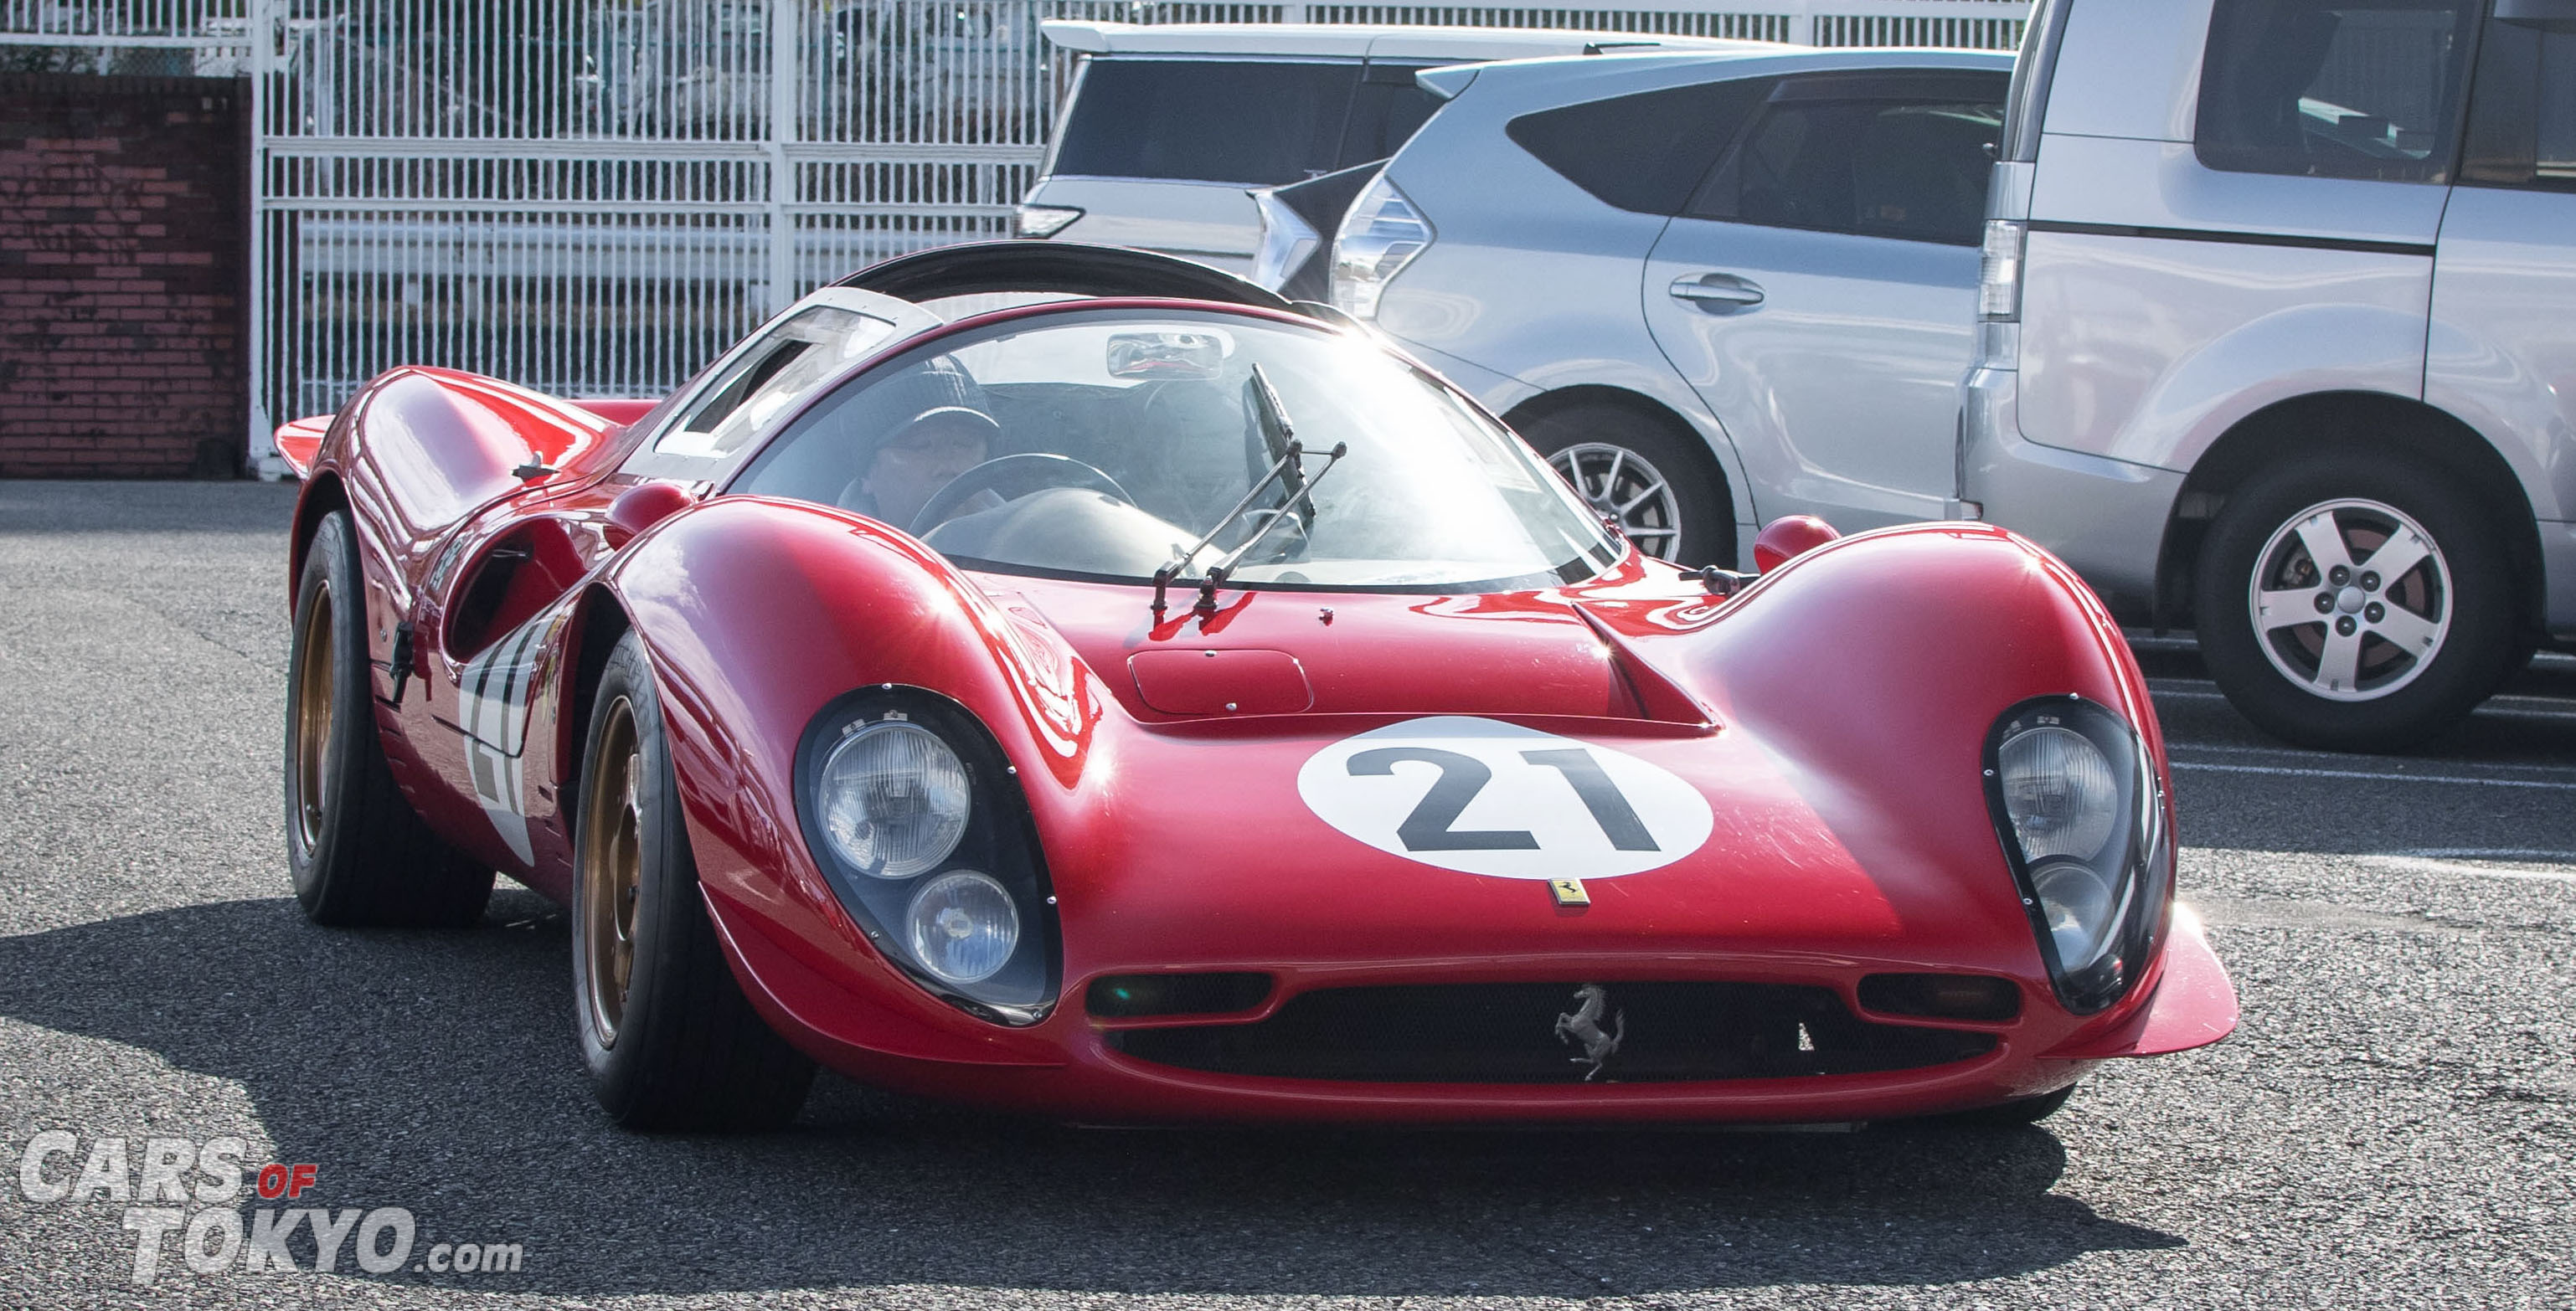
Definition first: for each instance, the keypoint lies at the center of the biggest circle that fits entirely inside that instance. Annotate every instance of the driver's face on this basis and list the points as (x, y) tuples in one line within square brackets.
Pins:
[(920, 460)]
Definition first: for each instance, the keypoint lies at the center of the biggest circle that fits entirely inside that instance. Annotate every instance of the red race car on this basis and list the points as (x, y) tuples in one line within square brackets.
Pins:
[(1077, 681)]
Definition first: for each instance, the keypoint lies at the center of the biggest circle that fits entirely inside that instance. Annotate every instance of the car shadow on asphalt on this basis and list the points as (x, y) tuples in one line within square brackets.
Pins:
[(437, 1072)]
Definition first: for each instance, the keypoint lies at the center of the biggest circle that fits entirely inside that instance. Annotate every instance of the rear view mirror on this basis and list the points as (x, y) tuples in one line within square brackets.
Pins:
[(1165, 354), (640, 507), (1788, 537)]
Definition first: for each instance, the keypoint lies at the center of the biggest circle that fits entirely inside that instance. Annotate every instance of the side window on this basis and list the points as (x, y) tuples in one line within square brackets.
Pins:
[(1247, 122), (1643, 152), (2335, 88), (1914, 169), (788, 362), (1388, 110), (2522, 116)]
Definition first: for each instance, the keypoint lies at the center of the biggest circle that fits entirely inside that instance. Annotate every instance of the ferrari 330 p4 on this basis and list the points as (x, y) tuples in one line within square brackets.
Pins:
[(1076, 681)]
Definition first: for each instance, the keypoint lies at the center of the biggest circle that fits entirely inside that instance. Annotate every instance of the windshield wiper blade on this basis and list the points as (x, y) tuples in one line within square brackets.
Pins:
[(1277, 433), (1287, 468)]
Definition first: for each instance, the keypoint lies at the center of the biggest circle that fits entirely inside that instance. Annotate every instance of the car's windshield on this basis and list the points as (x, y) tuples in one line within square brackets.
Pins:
[(1109, 443)]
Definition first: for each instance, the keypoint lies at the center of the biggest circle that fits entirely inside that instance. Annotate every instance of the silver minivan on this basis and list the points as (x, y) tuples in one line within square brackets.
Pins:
[(2278, 340), (1714, 289), (1166, 126)]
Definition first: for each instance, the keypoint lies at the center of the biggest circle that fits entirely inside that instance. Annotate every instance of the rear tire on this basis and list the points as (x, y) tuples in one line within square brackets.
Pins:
[(670, 1041), (1661, 486), (2388, 661), (359, 855)]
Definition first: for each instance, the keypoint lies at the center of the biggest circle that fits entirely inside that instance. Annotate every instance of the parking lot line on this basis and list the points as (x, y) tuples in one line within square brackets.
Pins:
[(2212, 766)]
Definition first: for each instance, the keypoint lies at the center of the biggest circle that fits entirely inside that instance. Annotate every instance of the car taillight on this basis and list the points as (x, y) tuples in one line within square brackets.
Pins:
[(1042, 221), (1380, 234), (1999, 294), (1287, 241)]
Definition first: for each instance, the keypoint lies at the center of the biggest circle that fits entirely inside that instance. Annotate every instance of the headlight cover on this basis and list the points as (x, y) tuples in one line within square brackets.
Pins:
[(918, 823), (2079, 808), (894, 799)]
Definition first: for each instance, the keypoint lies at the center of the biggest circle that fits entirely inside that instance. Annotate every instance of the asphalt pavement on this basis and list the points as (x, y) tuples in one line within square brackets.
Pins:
[(2392, 1125)]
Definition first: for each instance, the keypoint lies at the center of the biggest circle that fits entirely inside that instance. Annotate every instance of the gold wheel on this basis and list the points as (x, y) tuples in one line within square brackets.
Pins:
[(312, 718), (611, 857)]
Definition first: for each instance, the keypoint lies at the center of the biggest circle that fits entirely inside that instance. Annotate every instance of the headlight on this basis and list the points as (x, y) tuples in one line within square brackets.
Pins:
[(1379, 235), (962, 927), (917, 821), (2080, 811), (895, 799)]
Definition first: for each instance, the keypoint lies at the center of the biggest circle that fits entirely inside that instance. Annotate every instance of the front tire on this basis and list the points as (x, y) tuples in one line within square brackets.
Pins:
[(670, 1041), (2362, 603), (1660, 486), (359, 854)]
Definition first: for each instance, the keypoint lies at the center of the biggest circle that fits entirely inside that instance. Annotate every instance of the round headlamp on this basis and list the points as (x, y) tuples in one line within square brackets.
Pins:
[(2059, 793), (894, 799), (962, 927)]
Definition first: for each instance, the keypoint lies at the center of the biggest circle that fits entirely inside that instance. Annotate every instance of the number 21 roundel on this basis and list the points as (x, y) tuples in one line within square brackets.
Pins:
[(1484, 797)]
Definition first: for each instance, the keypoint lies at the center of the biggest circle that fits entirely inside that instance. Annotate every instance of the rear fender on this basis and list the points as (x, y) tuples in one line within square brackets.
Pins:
[(757, 613)]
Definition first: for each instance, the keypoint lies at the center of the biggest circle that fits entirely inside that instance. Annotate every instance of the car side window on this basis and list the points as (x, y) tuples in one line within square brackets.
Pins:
[(2335, 88), (1912, 168), (1643, 152), (1385, 113), (2522, 116), (1249, 122)]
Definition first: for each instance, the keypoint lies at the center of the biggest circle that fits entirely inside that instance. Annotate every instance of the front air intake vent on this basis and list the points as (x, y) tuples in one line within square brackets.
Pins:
[(1551, 1033), (1127, 996)]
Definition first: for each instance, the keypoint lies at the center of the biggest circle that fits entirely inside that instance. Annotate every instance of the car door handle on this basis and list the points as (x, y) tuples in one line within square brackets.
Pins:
[(1717, 293)]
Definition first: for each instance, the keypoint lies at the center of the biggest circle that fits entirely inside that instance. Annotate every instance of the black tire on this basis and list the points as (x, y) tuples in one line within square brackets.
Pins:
[(2413, 674), (673, 1045), (1693, 525), (358, 853)]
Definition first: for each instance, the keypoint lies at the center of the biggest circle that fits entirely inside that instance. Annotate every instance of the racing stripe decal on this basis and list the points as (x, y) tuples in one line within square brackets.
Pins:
[(492, 696)]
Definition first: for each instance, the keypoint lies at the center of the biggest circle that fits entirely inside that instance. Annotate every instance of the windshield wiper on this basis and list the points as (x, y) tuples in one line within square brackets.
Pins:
[(1287, 468)]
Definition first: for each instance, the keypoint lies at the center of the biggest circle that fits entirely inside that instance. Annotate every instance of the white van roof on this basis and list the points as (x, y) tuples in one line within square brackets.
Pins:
[(1361, 40)]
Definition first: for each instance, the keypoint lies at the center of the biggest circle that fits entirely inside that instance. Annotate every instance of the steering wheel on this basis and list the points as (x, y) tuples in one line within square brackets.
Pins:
[(1030, 471)]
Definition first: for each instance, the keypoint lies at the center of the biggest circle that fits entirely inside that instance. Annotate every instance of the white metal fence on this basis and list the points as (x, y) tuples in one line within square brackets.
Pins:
[(594, 197)]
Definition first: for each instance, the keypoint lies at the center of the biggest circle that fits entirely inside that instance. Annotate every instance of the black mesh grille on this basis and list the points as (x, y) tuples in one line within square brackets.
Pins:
[(1507, 1033)]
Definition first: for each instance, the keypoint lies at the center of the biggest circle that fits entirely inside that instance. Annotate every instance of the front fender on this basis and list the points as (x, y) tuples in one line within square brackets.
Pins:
[(1873, 669), (756, 614)]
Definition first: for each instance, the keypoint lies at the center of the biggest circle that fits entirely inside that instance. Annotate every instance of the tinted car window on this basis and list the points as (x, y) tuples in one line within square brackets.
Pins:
[(1643, 152), (1388, 110), (1240, 121), (1912, 170), (2522, 123), (2335, 88)]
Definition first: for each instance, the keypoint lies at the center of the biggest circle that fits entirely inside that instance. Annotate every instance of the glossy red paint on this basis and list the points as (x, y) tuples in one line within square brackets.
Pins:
[(641, 506), (1832, 715), (1788, 537)]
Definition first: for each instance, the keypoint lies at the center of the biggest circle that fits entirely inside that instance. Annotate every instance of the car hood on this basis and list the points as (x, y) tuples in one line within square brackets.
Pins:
[(1279, 759)]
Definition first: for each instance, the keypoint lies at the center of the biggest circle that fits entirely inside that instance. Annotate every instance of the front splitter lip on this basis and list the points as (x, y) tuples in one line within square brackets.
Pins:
[(1105, 1087)]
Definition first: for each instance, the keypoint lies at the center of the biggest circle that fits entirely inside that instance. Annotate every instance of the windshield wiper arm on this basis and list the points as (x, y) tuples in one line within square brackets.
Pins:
[(1287, 466)]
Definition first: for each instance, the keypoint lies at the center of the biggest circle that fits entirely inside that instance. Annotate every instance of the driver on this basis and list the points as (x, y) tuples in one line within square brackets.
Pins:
[(948, 434)]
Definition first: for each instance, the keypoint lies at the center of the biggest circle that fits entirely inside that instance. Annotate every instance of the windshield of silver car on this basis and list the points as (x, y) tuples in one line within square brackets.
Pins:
[(1118, 443)]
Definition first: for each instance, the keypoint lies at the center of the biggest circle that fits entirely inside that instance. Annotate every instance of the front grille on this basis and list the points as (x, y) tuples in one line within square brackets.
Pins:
[(1507, 1033)]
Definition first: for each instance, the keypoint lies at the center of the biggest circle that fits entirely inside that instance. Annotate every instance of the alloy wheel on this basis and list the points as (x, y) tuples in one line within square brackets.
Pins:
[(2351, 599), (312, 719), (1624, 488), (611, 859)]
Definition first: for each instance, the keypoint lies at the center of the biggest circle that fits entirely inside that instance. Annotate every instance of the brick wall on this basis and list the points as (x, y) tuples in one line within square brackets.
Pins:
[(123, 207)]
